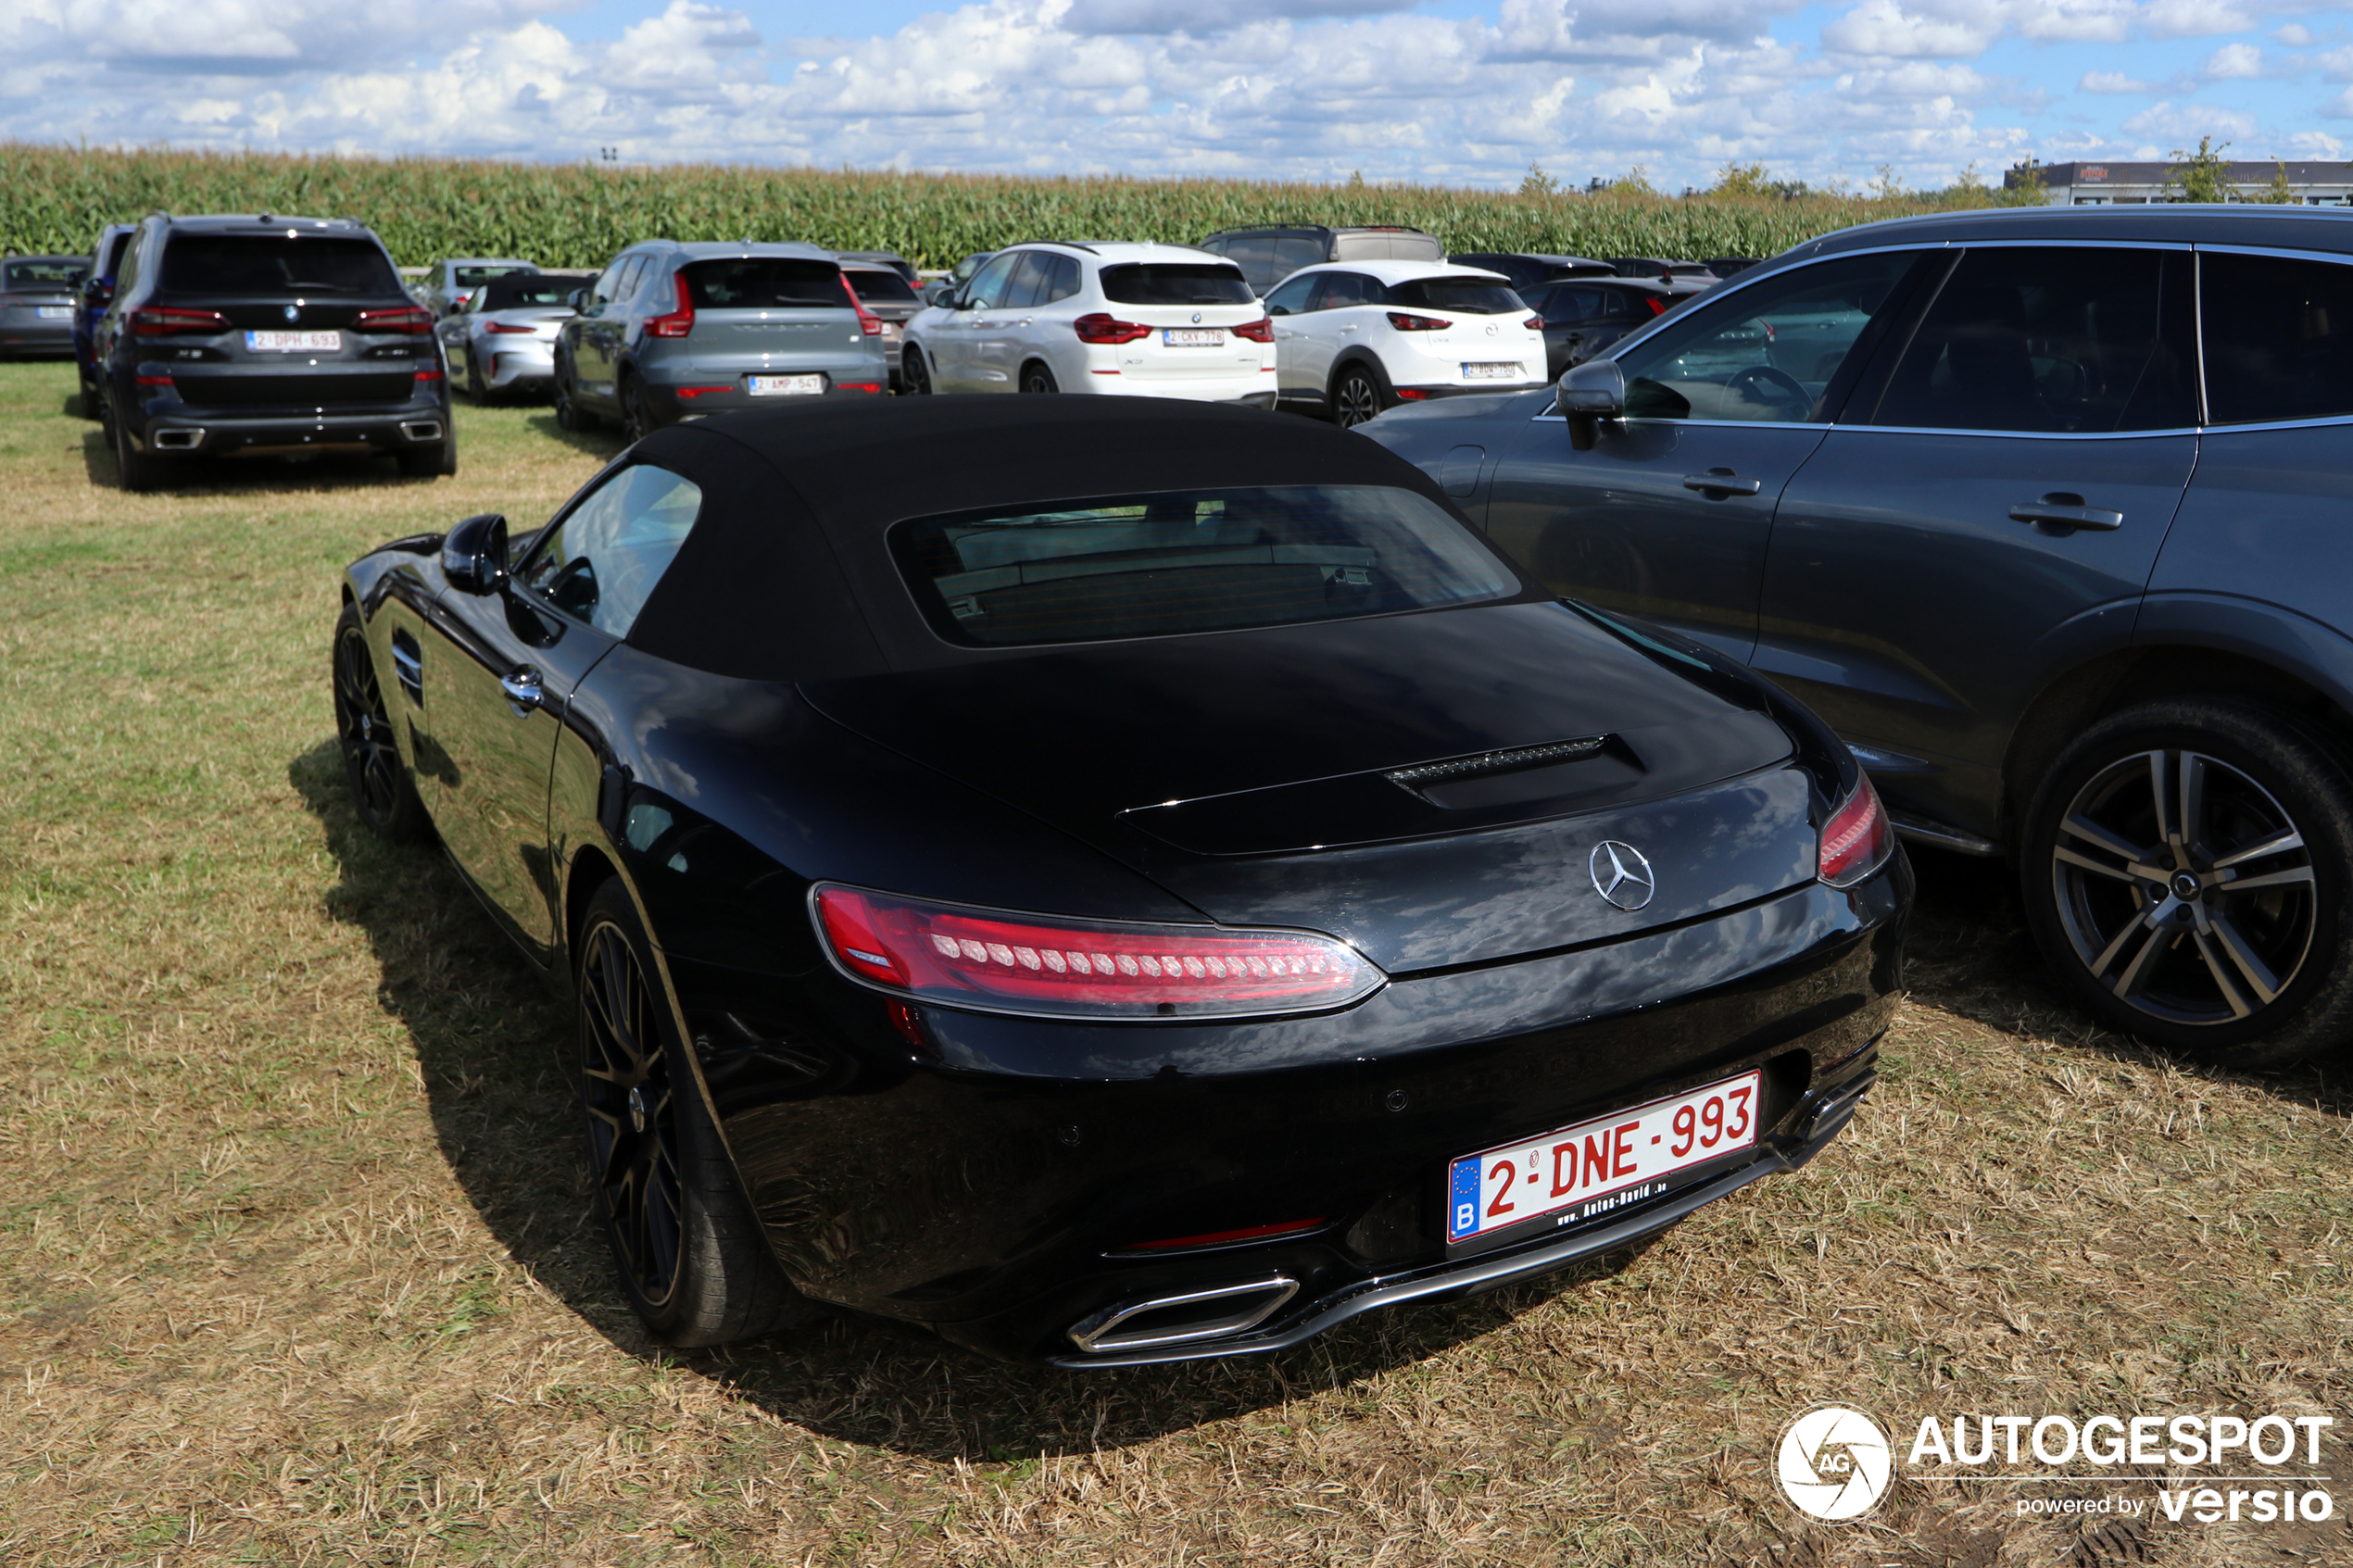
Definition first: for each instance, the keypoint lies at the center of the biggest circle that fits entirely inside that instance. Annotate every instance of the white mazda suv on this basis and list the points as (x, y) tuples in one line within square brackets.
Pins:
[(1353, 338), (1144, 320)]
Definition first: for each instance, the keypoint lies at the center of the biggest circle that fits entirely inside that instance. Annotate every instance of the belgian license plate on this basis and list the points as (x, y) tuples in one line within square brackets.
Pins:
[(1600, 1166), (1191, 337), (783, 386), (53, 312), (1508, 371), (294, 343)]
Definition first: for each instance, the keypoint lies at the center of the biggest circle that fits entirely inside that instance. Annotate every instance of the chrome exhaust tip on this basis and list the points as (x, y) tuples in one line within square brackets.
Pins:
[(1211, 1313), (176, 440), (421, 430)]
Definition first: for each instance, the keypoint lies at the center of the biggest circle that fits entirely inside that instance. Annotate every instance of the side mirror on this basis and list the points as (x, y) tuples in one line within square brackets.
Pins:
[(577, 299), (473, 554), (1589, 394), (96, 292)]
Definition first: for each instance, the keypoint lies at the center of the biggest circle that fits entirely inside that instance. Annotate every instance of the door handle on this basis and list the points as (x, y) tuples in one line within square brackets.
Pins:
[(522, 689), (1723, 481), (2063, 512)]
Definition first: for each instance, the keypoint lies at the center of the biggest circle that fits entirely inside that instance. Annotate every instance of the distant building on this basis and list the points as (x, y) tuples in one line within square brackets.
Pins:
[(2122, 184)]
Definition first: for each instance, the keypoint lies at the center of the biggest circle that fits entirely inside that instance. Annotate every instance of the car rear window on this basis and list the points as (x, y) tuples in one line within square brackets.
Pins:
[(877, 287), (524, 292), (42, 272), (1176, 282), (204, 265), (763, 282), (2279, 338), (1471, 296), (1189, 562), (1387, 245), (474, 277)]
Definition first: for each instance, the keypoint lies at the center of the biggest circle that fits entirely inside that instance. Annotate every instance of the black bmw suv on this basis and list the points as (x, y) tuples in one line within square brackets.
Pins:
[(267, 335)]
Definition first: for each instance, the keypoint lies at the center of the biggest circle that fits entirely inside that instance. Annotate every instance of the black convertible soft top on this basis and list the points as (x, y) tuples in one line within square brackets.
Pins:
[(786, 575)]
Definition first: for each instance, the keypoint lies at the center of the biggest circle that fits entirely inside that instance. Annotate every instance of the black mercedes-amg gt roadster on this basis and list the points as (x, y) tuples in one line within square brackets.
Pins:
[(1116, 880)]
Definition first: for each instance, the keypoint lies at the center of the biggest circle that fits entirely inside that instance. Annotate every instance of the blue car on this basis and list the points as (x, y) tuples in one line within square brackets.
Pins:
[(105, 262)]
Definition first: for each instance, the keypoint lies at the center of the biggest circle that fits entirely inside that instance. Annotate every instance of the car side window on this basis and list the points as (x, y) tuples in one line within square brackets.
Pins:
[(1764, 353), (1344, 289), (632, 278), (1293, 254), (1291, 298), (1064, 282), (1574, 305), (2056, 338), (2279, 338), (600, 564), (987, 289), (1033, 275), (602, 292)]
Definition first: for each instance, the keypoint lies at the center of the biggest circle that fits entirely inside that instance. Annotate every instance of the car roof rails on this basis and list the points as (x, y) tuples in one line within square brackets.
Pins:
[(1066, 245)]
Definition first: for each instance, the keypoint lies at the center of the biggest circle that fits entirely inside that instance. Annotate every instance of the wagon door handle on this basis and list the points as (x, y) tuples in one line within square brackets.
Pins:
[(522, 689), (1722, 481), (2063, 512)]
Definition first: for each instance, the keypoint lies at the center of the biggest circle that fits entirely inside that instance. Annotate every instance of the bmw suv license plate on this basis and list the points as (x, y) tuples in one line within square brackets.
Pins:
[(294, 343), (783, 386), (53, 312), (1601, 1166), (1191, 337), (1505, 370)]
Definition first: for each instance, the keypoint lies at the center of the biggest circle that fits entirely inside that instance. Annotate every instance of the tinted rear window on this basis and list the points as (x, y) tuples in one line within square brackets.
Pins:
[(1176, 282), (2279, 338), (521, 293), (200, 265), (474, 277), (880, 288), (1472, 296), (44, 274), (1192, 560), (763, 282)]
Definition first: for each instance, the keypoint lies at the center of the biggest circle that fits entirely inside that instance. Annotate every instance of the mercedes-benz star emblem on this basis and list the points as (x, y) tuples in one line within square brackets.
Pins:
[(1621, 874), (293, 314)]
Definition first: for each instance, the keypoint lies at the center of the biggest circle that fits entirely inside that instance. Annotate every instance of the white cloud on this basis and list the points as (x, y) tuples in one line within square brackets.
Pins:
[(2295, 35), (2232, 62), (2196, 19), (2337, 64), (2185, 123), (2113, 82), (1887, 28)]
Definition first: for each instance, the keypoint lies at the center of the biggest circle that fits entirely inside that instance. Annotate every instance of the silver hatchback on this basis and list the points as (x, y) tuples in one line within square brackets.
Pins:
[(673, 332)]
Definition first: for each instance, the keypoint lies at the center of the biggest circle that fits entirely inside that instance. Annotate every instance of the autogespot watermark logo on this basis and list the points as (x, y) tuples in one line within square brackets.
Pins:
[(1833, 1462)]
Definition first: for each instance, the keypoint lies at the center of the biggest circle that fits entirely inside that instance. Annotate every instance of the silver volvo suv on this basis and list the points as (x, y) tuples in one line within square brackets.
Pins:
[(672, 332)]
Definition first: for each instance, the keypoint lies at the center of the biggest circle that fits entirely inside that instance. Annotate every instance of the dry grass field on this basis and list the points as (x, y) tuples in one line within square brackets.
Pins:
[(294, 1266)]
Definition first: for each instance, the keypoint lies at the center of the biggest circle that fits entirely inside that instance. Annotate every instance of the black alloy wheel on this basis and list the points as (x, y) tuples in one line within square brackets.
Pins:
[(1358, 395), (637, 411), (570, 415), (691, 1256), (914, 372), (1038, 379), (380, 788), (2185, 871)]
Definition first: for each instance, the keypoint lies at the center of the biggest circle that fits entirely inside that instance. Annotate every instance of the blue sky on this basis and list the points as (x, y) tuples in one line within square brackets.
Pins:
[(1467, 92)]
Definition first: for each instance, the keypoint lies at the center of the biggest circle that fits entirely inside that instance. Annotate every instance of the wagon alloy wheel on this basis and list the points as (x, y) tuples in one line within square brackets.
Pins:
[(2185, 887), (1358, 399), (633, 1118)]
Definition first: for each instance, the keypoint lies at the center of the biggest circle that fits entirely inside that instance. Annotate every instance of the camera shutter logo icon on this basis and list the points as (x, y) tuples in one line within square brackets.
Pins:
[(1833, 1462)]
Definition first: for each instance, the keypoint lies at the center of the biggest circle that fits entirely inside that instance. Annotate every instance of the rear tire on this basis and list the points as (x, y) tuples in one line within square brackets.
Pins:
[(87, 406), (474, 389), (1359, 393), (134, 470), (432, 462), (570, 415), (638, 411), (2237, 979), (1037, 379), (914, 373), (691, 1256)]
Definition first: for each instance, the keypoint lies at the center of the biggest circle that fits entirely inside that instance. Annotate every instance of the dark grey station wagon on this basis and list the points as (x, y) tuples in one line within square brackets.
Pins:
[(2047, 512)]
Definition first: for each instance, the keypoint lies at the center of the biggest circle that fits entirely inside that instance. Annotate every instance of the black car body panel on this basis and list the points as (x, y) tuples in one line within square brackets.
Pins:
[(989, 1175)]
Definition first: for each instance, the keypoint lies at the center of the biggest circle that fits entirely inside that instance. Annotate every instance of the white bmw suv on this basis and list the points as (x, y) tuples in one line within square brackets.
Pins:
[(1145, 320), (1353, 338)]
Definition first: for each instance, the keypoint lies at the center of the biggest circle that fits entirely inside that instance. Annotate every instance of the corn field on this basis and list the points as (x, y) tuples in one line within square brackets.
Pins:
[(55, 198)]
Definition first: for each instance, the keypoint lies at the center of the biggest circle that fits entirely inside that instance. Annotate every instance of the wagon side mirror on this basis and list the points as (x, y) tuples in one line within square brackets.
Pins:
[(1589, 394), (473, 554)]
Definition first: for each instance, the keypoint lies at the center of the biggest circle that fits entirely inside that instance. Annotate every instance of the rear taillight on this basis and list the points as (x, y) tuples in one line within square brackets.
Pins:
[(1408, 323), (1534, 323), (868, 322), (1058, 967), (1857, 839), (1658, 306), (503, 327), (1260, 331), (428, 372), (1101, 328), (408, 320), (679, 322), (163, 321)]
